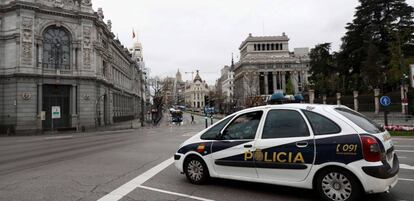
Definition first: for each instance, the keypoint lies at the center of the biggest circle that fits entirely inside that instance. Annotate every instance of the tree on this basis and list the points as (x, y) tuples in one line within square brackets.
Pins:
[(322, 67), (289, 87), (372, 48), (158, 99)]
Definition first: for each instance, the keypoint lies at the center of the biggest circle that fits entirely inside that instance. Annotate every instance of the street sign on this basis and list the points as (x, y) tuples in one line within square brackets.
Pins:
[(412, 75), (385, 101), (42, 115), (55, 112)]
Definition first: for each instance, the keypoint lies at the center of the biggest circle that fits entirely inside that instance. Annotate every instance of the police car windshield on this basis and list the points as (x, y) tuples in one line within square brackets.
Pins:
[(360, 120)]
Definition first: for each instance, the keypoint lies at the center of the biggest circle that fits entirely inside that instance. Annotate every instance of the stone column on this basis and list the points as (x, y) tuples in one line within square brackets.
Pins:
[(356, 100), (284, 81), (404, 90), (324, 99), (40, 54), (73, 106), (274, 82), (311, 96), (39, 106), (338, 98), (111, 107), (266, 84), (294, 78), (377, 105)]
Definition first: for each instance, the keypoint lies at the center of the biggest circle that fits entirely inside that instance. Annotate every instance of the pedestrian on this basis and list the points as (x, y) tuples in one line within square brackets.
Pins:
[(192, 119)]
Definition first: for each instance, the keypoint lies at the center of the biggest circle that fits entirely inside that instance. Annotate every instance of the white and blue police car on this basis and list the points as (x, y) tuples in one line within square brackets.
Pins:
[(332, 149)]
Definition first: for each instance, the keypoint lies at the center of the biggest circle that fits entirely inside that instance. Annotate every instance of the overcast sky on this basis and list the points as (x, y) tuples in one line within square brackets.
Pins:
[(202, 34)]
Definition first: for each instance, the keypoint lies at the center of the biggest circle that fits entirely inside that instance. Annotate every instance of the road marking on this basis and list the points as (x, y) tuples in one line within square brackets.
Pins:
[(128, 187), (59, 137), (402, 179), (407, 167), (404, 146), (405, 151), (402, 157), (174, 193), (402, 139)]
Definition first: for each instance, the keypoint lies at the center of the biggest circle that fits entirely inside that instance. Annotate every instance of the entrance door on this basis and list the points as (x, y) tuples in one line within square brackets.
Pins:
[(56, 95)]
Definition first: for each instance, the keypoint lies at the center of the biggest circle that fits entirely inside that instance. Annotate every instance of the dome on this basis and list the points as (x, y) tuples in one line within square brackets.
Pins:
[(197, 77)]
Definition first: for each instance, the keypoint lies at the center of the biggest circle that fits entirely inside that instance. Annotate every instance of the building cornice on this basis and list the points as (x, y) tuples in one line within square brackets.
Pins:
[(63, 77), (16, 5)]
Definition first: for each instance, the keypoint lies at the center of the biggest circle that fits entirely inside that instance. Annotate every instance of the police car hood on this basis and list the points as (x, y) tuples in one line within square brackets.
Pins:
[(194, 139)]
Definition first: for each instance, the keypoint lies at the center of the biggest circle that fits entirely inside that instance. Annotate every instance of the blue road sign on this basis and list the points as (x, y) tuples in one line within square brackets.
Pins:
[(385, 101)]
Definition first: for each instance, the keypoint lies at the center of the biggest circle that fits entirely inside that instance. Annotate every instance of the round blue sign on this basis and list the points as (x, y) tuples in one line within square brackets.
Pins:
[(385, 101)]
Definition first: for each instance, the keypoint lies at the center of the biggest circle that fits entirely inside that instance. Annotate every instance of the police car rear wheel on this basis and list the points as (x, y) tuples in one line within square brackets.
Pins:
[(338, 185), (196, 170)]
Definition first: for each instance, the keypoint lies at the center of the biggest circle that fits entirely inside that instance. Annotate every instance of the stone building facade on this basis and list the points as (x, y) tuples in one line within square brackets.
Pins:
[(61, 53), (227, 83), (179, 89), (195, 91), (267, 66)]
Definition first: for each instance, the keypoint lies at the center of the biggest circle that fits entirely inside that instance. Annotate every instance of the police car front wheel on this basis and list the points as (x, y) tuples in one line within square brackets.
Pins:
[(196, 170), (338, 185)]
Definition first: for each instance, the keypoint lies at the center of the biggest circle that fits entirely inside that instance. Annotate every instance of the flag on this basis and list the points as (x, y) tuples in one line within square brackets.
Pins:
[(133, 33)]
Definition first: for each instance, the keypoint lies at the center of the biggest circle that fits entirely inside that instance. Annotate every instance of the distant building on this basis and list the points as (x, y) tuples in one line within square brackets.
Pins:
[(137, 55), (267, 66), (195, 91), (179, 89), (225, 89), (168, 91), (62, 55)]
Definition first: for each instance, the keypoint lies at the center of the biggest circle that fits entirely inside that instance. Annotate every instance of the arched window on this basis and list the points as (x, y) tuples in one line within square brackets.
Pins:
[(56, 48)]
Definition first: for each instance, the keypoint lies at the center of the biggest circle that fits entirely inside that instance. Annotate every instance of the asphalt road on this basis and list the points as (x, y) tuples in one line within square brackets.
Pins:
[(104, 165)]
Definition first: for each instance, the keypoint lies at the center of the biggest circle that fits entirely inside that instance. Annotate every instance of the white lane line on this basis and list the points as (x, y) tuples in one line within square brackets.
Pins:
[(404, 146), (402, 157), (402, 139), (59, 137), (128, 187), (174, 193), (402, 179), (405, 151), (407, 167)]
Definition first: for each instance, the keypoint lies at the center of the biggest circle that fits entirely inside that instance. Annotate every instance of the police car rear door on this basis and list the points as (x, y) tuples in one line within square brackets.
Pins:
[(236, 140), (285, 150)]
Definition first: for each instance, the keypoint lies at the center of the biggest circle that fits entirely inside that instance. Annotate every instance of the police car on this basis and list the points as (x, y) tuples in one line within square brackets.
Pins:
[(332, 149)]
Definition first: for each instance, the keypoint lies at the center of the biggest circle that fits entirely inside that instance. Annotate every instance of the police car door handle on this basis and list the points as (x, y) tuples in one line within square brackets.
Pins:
[(248, 146), (301, 144)]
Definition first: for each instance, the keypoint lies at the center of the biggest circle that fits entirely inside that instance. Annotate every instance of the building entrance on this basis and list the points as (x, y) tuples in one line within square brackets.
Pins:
[(56, 95)]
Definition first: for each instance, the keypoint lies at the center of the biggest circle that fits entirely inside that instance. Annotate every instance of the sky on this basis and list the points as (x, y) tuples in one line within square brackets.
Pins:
[(202, 35)]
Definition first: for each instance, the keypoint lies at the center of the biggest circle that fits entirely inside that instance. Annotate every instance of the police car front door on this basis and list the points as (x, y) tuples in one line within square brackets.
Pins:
[(285, 151), (237, 138)]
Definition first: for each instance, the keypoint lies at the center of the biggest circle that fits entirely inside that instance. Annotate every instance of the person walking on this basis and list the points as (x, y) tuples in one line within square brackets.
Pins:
[(192, 119)]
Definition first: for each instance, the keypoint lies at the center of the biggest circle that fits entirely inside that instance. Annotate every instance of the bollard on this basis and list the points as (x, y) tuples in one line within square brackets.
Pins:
[(206, 118), (386, 117)]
